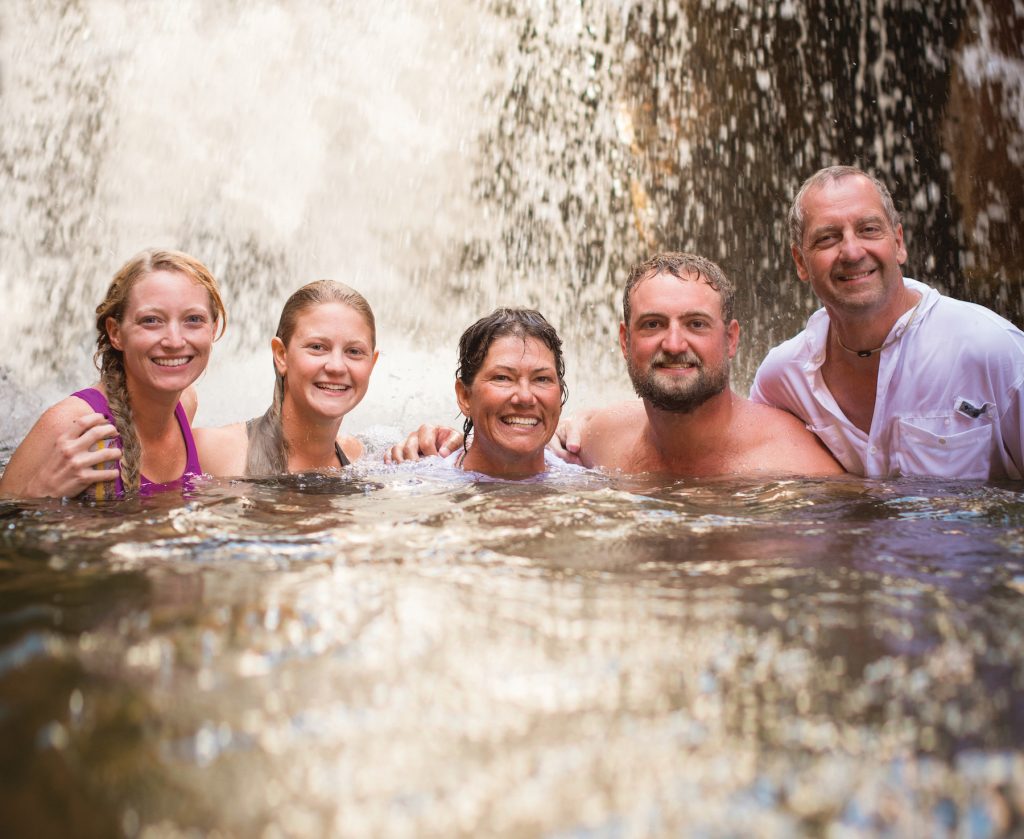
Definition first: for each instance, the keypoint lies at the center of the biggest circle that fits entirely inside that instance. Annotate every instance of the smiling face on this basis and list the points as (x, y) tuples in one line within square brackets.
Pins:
[(166, 332), (327, 363), (515, 401), (677, 347), (850, 253)]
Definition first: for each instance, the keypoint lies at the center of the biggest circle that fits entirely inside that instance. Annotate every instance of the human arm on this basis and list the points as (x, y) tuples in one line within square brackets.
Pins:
[(426, 441), (57, 458), (568, 439)]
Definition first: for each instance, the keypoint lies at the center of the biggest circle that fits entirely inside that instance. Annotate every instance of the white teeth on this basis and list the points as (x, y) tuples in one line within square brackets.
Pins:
[(527, 421), (171, 362), (332, 388)]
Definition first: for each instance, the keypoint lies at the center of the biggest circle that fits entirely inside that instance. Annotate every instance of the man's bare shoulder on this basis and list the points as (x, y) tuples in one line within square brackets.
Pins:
[(610, 434), (778, 441)]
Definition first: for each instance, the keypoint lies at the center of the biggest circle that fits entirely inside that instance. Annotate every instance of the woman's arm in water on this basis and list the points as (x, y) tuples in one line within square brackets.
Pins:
[(57, 458)]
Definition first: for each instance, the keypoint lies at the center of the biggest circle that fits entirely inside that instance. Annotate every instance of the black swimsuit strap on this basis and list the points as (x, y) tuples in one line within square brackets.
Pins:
[(341, 455)]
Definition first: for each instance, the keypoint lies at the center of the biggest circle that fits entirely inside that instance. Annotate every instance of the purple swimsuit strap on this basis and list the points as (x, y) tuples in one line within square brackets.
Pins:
[(98, 402)]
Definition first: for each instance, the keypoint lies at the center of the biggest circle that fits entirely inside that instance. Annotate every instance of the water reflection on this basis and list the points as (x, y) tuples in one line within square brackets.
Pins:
[(408, 652)]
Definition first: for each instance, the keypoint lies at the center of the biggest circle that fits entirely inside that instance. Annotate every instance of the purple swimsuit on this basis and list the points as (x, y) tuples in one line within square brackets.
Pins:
[(98, 402)]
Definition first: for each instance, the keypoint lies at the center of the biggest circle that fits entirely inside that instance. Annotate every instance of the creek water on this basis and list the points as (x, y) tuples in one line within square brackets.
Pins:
[(403, 651), (399, 650)]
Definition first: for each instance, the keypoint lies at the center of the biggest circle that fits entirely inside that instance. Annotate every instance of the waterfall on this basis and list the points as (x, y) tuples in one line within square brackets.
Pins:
[(450, 155)]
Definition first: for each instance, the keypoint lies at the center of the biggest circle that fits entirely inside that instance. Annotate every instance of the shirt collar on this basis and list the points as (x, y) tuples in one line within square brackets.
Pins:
[(816, 333)]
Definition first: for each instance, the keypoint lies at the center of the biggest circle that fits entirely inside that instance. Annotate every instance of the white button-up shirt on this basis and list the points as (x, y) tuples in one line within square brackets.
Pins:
[(947, 403)]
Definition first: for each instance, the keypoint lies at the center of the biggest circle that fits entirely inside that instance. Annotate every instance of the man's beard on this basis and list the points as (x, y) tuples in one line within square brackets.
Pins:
[(680, 396)]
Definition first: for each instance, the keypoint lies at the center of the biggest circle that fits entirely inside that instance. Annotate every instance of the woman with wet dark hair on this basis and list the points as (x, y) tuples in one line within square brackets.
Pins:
[(510, 386)]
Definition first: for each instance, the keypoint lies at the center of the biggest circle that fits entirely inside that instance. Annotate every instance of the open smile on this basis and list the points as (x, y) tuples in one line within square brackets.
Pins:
[(854, 276), (172, 362), (328, 387), (521, 422)]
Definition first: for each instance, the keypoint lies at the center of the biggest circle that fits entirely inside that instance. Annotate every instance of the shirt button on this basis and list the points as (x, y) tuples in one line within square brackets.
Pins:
[(874, 450), (942, 440), (947, 421)]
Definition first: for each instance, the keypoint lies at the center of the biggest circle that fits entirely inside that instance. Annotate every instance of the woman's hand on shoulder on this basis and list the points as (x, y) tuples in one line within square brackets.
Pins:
[(59, 456), (426, 441)]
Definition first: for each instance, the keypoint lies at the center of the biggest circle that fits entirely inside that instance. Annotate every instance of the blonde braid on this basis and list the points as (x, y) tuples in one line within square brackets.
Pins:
[(116, 387)]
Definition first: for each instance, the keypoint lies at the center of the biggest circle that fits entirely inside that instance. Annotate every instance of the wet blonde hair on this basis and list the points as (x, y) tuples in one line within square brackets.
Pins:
[(268, 450), (110, 360)]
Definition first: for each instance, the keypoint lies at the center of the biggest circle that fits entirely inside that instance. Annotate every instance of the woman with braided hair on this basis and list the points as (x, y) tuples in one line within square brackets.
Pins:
[(324, 352), (156, 327)]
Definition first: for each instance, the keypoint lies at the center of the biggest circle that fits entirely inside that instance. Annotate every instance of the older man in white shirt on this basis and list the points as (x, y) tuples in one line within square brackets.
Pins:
[(895, 378)]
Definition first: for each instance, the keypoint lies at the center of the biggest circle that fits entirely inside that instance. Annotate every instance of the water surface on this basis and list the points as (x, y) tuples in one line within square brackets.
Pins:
[(401, 651)]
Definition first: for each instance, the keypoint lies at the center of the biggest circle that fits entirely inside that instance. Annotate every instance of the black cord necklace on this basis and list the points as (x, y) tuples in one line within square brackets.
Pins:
[(889, 343)]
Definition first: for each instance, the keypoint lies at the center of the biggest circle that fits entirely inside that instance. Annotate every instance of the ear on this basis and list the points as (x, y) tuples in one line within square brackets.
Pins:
[(277, 348), (733, 336), (114, 333), (624, 339), (798, 258), (373, 361), (901, 250), (462, 396)]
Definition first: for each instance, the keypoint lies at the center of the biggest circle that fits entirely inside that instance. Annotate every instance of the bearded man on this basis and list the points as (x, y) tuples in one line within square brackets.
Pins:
[(678, 336)]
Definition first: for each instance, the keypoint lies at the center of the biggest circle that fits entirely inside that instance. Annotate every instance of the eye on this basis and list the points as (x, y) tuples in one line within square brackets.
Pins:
[(356, 352), (149, 320), (316, 346), (650, 323), (544, 379), (697, 323), (197, 320), (501, 377)]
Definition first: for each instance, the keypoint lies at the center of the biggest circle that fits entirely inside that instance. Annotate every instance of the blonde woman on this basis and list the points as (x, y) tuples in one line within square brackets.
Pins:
[(155, 331), (324, 352)]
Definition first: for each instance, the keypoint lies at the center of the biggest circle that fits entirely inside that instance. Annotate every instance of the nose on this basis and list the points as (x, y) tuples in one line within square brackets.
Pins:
[(173, 336), (674, 340), (850, 249), (335, 362), (523, 393)]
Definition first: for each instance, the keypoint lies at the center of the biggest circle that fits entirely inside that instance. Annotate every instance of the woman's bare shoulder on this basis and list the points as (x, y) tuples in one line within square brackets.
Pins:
[(352, 446), (222, 451)]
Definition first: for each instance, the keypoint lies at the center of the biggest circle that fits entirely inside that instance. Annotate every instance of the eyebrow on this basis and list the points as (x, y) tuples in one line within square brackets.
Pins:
[(547, 368), (873, 217), (688, 314)]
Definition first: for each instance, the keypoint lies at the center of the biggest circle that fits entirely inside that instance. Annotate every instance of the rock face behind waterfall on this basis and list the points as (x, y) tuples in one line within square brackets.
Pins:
[(680, 126)]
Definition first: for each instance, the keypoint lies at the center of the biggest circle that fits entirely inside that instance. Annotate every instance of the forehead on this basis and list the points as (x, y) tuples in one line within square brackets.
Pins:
[(516, 350), (852, 196), (668, 294), (160, 288), (331, 319)]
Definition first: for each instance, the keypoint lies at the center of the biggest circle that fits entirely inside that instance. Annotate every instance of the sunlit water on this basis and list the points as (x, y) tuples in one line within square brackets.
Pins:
[(402, 651)]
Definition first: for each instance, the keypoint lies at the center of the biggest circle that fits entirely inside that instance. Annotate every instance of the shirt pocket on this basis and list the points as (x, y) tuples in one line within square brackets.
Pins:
[(945, 454)]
